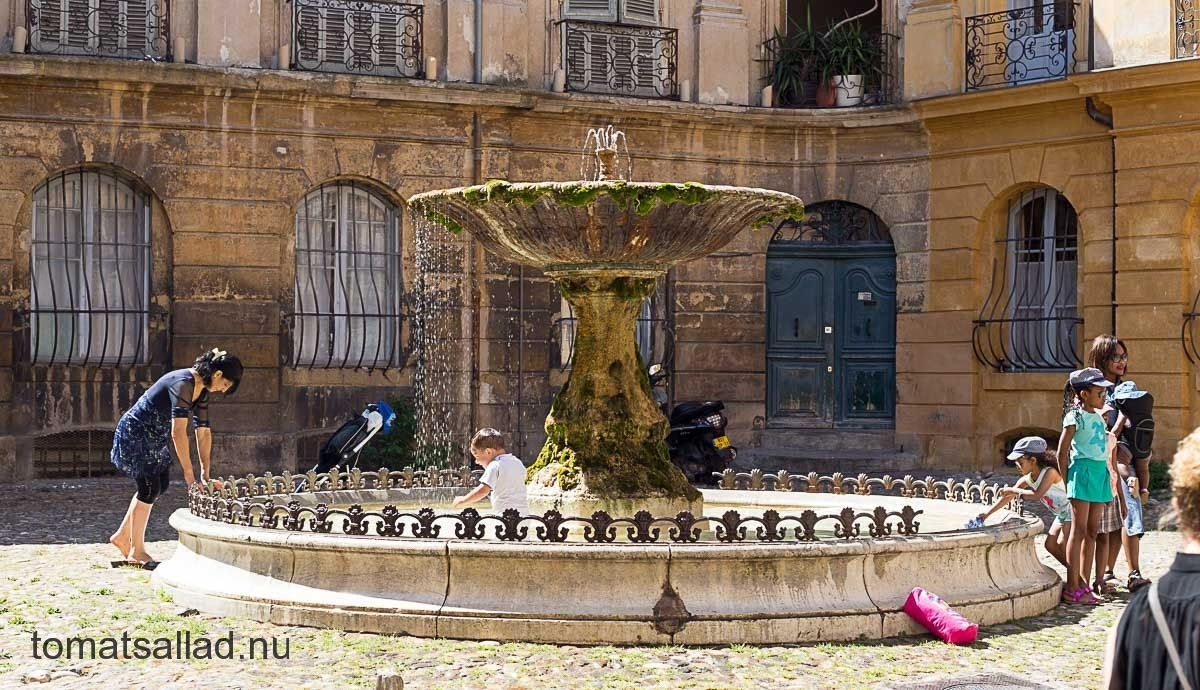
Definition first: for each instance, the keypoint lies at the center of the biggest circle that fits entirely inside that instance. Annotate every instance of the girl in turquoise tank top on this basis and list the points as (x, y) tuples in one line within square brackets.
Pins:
[(1084, 443)]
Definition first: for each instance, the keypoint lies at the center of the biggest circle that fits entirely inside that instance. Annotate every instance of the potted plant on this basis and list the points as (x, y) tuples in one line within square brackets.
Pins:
[(799, 65), (855, 59)]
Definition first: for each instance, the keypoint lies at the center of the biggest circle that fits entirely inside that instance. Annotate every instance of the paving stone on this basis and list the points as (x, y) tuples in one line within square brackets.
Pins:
[(55, 580)]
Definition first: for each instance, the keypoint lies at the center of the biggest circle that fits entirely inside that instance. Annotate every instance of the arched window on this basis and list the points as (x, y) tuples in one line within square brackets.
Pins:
[(89, 270), (347, 279), (1030, 318)]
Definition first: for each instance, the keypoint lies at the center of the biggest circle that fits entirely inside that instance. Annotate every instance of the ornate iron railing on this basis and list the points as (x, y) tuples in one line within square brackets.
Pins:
[(620, 59), (834, 223), (1187, 36), (250, 501), (357, 37), (1029, 320), (1020, 46), (131, 29)]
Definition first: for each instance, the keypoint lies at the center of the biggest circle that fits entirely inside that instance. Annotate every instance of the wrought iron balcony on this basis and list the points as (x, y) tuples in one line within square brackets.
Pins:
[(353, 37), (620, 59), (130, 29), (1187, 43), (1021, 46)]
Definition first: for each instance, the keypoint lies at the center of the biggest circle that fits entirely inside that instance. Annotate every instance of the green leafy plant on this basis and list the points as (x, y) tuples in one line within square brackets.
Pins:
[(798, 60), (854, 51)]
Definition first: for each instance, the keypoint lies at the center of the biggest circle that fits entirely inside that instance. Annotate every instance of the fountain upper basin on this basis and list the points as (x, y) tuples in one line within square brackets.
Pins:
[(628, 228)]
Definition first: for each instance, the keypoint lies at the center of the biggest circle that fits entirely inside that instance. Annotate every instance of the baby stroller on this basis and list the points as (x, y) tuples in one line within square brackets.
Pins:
[(347, 442), (1138, 408)]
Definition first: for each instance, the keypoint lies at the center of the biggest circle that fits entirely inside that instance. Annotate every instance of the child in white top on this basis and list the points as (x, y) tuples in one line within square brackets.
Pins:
[(1040, 481), (503, 475)]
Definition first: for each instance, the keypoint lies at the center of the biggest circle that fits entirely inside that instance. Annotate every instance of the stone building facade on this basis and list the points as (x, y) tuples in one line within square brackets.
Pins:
[(225, 189)]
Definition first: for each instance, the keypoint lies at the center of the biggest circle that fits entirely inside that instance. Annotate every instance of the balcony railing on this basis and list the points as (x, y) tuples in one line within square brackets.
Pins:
[(130, 29), (620, 59), (1187, 43), (352, 37), (1020, 46), (795, 73)]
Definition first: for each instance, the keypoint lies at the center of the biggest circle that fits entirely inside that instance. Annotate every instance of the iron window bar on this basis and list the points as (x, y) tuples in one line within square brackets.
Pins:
[(129, 29), (1029, 321), (1021, 45), (347, 281), (1187, 36), (620, 59), (89, 272), (1187, 334), (358, 37)]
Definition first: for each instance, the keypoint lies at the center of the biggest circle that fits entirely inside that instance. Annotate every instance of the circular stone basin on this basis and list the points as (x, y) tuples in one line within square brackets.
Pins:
[(707, 592)]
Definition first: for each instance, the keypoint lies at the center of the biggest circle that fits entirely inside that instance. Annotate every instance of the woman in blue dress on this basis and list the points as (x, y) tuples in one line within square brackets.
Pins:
[(157, 422)]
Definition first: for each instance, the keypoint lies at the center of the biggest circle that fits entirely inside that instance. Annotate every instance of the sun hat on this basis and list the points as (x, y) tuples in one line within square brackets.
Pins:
[(1091, 376), (1127, 390), (1029, 445)]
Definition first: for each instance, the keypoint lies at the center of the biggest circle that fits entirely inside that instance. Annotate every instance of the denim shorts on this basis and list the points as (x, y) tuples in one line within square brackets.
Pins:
[(1133, 511)]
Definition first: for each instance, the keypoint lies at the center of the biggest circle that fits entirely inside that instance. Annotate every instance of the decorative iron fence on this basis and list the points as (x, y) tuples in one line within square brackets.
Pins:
[(1187, 40), (620, 59), (130, 29), (1020, 46), (356, 37), (250, 501)]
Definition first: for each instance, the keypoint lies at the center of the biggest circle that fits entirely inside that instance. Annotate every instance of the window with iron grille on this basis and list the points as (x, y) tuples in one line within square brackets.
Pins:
[(1187, 29), (615, 47), (74, 454), (135, 29), (1030, 318), (89, 270), (651, 332), (358, 37), (347, 279)]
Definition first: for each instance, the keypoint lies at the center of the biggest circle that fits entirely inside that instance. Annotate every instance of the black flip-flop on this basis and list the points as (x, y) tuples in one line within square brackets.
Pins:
[(148, 565)]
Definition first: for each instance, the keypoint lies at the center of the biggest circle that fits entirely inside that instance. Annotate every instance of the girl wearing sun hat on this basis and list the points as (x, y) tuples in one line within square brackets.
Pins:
[(1084, 446)]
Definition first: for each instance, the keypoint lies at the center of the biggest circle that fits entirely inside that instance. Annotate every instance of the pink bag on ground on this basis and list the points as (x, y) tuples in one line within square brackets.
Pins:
[(929, 610)]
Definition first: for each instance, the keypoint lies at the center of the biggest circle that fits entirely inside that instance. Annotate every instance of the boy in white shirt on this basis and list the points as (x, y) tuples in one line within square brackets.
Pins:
[(503, 475)]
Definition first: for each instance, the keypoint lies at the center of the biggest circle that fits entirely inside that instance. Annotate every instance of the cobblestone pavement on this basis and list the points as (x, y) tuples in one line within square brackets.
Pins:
[(55, 581)]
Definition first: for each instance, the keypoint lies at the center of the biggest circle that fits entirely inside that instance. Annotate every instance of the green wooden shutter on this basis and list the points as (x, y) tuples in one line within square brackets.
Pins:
[(596, 10), (639, 11)]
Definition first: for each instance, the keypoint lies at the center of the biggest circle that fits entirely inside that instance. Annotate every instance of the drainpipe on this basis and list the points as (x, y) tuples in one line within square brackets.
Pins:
[(1106, 120), (478, 46)]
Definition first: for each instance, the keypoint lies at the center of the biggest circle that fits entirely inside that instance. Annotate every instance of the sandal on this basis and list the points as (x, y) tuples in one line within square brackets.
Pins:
[(1136, 581), (1109, 576), (1082, 595)]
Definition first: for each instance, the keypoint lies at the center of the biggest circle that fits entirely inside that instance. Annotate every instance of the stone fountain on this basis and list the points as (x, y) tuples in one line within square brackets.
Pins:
[(623, 555), (605, 242)]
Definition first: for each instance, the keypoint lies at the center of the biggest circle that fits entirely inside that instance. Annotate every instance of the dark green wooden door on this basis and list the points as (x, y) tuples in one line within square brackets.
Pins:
[(831, 341)]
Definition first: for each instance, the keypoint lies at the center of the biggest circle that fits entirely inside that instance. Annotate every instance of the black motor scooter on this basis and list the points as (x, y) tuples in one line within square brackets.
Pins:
[(697, 440)]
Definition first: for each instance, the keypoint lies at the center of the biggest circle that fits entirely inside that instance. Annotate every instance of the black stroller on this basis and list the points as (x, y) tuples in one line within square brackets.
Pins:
[(343, 447)]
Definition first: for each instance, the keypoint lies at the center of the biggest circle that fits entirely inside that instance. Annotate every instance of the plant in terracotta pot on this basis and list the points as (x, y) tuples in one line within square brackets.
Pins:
[(799, 65), (855, 60)]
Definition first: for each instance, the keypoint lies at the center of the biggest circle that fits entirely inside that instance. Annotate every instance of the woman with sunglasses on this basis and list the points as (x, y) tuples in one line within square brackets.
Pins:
[(155, 424), (1119, 528)]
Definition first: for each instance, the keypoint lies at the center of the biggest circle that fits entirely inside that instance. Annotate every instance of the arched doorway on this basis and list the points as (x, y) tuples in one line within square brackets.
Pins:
[(831, 320)]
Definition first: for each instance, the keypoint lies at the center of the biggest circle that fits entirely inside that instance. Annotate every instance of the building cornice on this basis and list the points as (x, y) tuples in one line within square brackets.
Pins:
[(309, 87)]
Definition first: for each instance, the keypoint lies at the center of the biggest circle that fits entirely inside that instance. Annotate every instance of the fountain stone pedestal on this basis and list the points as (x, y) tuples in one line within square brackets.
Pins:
[(605, 243)]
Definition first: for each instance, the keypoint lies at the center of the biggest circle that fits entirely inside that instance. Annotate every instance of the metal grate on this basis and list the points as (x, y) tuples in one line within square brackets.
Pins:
[(1187, 37), (989, 681), (620, 59), (347, 283), (89, 271), (131, 29), (1029, 320), (74, 454), (355, 37), (834, 223), (1021, 46)]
